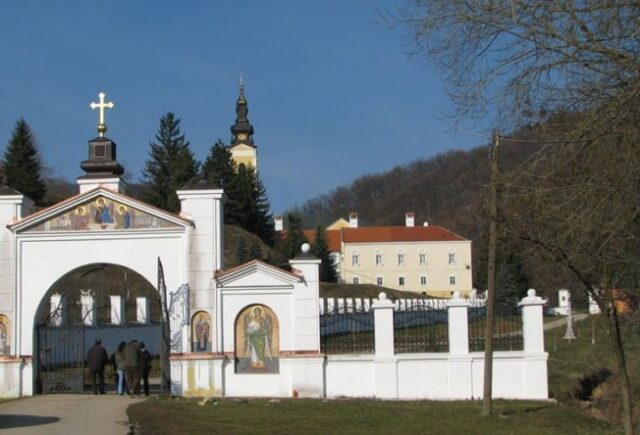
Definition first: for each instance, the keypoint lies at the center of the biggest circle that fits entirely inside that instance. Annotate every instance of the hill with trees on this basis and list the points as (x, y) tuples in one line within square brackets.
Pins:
[(449, 189)]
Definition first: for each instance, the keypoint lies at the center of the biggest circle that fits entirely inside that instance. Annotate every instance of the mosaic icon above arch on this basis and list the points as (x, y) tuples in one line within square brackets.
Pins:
[(5, 336), (257, 340), (201, 332), (100, 214)]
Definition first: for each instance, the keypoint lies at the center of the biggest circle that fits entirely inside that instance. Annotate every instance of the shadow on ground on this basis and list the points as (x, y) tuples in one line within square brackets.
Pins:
[(21, 420)]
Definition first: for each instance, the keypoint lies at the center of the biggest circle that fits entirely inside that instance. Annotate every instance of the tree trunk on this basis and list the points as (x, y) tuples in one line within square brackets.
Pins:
[(491, 278), (625, 385)]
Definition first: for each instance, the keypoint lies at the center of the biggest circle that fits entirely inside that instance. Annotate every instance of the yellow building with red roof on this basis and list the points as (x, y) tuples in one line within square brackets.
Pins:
[(427, 259)]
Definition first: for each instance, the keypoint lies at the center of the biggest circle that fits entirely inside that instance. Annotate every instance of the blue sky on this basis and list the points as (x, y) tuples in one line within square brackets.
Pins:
[(332, 92)]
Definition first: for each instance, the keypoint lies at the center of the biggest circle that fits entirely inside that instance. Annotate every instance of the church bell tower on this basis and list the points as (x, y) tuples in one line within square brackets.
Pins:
[(243, 149)]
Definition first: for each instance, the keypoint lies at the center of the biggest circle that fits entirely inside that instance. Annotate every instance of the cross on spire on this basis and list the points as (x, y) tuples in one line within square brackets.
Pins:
[(102, 127)]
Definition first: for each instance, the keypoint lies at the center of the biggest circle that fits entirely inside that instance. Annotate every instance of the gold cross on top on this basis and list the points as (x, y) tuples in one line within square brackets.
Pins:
[(102, 127)]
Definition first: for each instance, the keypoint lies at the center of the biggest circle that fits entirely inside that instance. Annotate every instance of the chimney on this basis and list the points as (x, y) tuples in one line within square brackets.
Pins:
[(409, 219), (277, 223), (353, 220), (425, 224)]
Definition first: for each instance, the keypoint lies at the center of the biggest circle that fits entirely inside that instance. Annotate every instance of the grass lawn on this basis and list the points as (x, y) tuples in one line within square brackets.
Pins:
[(571, 360), (568, 361), (309, 416)]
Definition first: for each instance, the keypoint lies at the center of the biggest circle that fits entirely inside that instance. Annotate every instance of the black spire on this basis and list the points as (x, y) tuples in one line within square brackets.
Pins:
[(242, 130)]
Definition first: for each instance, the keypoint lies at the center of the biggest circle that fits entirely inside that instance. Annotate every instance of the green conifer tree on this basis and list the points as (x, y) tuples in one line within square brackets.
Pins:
[(247, 203), (22, 163), (219, 167), (321, 251), (170, 165), (255, 251), (290, 246), (242, 252)]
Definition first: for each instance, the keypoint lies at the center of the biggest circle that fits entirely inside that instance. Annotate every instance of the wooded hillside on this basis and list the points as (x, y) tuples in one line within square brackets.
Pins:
[(449, 190)]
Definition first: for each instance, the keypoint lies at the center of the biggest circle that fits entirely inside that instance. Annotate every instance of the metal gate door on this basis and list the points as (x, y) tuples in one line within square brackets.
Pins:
[(60, 359)]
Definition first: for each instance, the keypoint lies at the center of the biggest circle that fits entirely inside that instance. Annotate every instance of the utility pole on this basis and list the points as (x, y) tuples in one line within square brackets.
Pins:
[(491, 275)]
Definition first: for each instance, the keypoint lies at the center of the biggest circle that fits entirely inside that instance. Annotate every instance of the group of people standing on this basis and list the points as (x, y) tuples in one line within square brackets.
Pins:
[(131, 362)]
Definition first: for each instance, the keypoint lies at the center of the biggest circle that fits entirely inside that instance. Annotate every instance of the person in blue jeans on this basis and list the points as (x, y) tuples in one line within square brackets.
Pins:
[(120, 367)]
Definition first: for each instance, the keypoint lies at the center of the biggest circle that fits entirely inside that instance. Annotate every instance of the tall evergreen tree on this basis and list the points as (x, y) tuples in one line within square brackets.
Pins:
[(321, 251), (170, 165), (264, 218), (242, 251), (255, 251), (219, 167), (247, 203), (22, 163), (290, 246)]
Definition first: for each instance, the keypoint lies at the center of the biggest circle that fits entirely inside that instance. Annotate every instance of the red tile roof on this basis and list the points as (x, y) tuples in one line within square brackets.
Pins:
[(333, 238), (432, 233)]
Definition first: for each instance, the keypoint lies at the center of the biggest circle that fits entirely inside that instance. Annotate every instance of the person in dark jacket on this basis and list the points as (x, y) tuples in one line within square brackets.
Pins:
[(145, 368), (132, 357), (97, 358)]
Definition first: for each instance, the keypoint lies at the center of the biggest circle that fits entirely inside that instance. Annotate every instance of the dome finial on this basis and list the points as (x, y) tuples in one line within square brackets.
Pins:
[(241, 97)]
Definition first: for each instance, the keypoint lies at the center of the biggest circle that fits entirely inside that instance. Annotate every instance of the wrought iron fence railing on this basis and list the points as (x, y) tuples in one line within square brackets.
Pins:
[(347, 327), (422, 328), (507, 333)]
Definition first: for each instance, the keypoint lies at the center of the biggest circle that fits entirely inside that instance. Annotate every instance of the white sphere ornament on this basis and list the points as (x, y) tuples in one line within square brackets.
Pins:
[(305, 248)]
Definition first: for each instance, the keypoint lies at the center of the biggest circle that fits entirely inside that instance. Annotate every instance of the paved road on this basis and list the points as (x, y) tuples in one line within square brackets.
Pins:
[(563, 321), (66, 414)]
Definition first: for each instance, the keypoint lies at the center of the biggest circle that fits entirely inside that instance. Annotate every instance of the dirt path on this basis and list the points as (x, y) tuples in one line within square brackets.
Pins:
[(66, 414), (563, 321)]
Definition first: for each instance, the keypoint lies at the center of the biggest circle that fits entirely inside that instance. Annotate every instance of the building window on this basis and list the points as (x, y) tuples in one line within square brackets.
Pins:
[(452, 258), (423, 280), (401, 281), (356, 280), (452, 280), (378, 258), (423, 258), (400, 258), (355, 259), (379, 280)]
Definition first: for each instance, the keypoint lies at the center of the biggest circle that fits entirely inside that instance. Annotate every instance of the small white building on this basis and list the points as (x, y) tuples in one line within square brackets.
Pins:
[(564, 303)]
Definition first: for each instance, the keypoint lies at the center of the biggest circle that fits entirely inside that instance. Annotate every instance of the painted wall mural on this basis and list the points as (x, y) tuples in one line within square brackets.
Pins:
[(257, 340), (5, 336), (102, 213), (201, 332)]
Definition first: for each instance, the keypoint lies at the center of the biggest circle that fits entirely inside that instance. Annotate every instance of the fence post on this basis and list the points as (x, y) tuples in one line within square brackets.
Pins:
[(384, 362), (532, 324), (458, 324), (383, 321)]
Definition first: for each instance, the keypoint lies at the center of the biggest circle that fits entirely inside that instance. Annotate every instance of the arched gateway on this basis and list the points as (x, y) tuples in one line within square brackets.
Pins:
[(72, 268), (102, 264), (98, 301)]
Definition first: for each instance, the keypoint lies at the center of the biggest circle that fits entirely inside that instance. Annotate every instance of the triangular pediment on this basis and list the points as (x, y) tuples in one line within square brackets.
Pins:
[(99, 210), (257, 274)]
